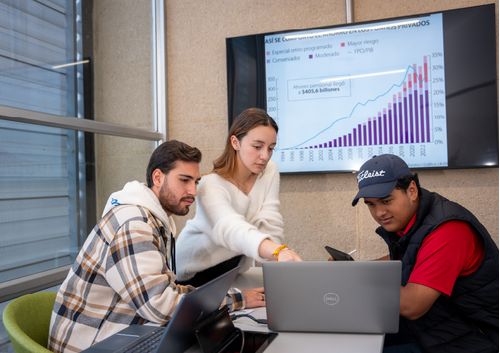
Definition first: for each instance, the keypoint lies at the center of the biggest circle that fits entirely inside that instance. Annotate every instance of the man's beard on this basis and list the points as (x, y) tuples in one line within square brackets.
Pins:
[(170, 204)]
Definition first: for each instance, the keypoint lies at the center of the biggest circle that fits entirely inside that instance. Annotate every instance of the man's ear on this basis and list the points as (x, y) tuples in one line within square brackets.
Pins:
[(412, 191), (235, 142), (157, 177)]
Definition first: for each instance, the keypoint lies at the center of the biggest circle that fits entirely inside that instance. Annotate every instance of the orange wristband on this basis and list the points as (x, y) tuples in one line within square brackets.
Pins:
[(278, 250)]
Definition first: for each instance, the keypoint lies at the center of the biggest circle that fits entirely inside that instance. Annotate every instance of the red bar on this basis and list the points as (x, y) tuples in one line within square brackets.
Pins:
[(426, 78)]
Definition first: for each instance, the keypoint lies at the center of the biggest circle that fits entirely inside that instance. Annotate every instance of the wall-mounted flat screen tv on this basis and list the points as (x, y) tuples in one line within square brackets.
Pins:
[(423, 87)]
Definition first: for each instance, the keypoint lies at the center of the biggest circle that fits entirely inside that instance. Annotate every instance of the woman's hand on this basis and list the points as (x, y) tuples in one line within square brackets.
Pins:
[(268, 248), (254, 297), (288, 255)]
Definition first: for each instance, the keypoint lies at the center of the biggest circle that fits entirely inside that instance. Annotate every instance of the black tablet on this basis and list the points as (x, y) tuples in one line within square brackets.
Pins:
[(338, 255)]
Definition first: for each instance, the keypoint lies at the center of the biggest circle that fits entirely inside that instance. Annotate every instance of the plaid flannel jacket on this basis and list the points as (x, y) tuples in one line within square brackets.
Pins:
[(119, 278)]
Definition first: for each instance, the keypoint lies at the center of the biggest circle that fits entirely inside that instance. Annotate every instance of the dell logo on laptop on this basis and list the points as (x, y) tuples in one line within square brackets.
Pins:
[(331, 298)]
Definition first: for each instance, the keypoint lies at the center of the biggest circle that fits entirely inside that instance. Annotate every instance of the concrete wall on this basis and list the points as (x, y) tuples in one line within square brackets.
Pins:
[(316, 207)]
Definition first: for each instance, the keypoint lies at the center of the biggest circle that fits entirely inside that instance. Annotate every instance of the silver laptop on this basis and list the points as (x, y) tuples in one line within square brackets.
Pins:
[(333, 296), (178, 335)]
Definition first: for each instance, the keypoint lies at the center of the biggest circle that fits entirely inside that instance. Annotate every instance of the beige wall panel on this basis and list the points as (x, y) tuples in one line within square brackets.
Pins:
[(122, 90), (366, 10), (196, 53), (316, 207)]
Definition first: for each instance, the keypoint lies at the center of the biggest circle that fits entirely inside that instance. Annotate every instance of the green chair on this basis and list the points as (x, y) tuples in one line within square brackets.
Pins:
[(27, 319)]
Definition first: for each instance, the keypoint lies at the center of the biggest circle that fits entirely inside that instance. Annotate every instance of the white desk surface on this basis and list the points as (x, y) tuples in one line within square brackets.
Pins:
[(299, 342)]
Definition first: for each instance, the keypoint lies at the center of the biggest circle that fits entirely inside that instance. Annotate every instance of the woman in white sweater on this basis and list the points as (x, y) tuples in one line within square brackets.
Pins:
[(237, 206)]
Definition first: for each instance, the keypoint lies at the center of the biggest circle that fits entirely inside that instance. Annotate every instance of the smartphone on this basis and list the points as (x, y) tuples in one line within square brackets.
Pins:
[(338, 255)]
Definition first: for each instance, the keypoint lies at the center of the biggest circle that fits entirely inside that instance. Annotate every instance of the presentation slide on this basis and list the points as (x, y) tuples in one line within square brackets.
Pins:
[(342, 95)]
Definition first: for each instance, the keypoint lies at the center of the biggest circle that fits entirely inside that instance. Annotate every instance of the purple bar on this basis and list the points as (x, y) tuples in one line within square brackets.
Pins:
[(426, 94), (415, 104), (410, 106), (422, 117), (360, 143), (364, 135), (330, 144), (334, 143), (385, 127), (380, 141), (390, 123), (427, 120), (400, 114), (315, 146), (415, 95), (405, 107), (374, 132), (340, 141), (355, 143), (369, 132), (395, 110), (345, 140), (422, 112)]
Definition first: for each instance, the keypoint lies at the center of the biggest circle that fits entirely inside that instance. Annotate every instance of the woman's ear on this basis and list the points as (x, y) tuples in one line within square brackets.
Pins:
[(235, 142)]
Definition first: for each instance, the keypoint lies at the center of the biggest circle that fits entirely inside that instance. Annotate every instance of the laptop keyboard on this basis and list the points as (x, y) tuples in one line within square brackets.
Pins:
[(147, 344)]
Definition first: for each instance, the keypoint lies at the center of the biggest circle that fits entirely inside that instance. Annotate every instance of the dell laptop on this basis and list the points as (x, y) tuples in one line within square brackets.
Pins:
[(177, 335), (333, 296)]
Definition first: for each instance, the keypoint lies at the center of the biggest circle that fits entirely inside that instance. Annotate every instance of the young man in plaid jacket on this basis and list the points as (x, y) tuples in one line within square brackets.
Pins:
[(124, 273)]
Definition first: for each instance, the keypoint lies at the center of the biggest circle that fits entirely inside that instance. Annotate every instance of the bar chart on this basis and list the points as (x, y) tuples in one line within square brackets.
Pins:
[(405, 120), (341, 97)]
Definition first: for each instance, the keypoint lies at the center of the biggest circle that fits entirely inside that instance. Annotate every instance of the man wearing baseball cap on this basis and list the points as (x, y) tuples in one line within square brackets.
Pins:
[(449, 282)]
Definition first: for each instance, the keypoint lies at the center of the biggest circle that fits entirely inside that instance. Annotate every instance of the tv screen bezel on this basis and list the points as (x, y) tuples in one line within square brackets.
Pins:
[(254, 92)]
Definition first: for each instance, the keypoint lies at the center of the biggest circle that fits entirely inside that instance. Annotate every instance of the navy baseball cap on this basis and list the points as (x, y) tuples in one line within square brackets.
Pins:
[(378, 176)]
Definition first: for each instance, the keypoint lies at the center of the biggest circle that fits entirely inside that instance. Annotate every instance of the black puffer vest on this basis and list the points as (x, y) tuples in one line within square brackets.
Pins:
[(467, 321)]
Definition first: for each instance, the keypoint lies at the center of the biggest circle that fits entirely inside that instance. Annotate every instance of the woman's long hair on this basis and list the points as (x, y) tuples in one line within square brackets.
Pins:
[(225, 164)]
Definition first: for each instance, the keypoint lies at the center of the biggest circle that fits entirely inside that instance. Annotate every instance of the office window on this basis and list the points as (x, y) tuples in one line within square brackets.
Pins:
[(47, 133), (47, 127), (37, 199), (41, 71)]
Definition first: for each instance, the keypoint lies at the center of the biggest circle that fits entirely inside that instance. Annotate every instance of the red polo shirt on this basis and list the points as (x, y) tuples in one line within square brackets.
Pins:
[(444, 255)]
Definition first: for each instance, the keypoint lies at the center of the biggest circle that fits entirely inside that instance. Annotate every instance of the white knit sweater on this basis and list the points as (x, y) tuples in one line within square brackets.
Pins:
[(229, 223)]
